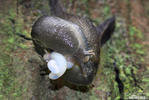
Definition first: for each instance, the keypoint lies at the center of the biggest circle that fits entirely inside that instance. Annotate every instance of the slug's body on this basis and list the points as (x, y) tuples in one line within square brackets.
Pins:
[(68, 36), (76, 38)]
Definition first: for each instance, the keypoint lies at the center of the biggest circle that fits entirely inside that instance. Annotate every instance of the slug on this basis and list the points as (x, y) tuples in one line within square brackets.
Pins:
[(73, 44)]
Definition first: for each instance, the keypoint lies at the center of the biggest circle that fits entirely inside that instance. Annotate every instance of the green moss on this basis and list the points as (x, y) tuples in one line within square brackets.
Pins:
[(106, 10), (11, 23)]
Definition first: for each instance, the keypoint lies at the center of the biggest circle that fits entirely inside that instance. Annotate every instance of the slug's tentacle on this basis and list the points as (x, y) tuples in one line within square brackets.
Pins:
[(89, 52)]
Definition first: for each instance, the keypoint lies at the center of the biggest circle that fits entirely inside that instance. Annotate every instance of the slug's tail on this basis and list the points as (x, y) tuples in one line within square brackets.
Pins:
[(106, 29)]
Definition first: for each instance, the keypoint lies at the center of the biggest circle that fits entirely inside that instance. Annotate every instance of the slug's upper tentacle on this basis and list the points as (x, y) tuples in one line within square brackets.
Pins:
[(89, 52)]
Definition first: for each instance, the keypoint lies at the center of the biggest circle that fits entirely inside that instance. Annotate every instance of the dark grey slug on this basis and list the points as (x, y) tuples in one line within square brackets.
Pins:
[(76, 38)]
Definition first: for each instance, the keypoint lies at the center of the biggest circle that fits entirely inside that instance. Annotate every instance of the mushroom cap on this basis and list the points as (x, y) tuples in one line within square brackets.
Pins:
[(57, 65)]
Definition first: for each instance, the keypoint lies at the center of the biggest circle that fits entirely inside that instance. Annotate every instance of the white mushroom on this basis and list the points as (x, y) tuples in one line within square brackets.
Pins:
[(57, 64)]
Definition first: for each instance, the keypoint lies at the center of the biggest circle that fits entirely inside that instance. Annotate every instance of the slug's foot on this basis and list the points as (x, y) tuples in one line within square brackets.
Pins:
[(89, 52)]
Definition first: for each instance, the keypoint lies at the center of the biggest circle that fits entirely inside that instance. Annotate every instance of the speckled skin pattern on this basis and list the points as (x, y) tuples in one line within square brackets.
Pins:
[(67, 35)]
